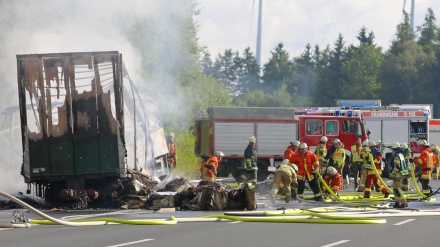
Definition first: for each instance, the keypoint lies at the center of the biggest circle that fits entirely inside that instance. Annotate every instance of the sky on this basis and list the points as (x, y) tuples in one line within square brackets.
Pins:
[(232, 24)]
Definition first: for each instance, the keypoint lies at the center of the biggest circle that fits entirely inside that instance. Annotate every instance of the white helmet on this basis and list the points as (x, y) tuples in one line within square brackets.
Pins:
[(252, 139), (285, 162), (331, 170), (219, 153), (337, 141), (403, 145), (422, 142), (372, 143), (303, 145), (295, 167), (324, 139), (395, 145), (433, 147), (365, 143), (171, 135), (295, 143)]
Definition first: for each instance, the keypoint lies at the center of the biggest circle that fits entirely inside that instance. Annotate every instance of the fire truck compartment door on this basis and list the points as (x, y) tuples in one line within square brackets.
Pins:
[(375, 126), (273, 138), (395, 131), (232, 138)]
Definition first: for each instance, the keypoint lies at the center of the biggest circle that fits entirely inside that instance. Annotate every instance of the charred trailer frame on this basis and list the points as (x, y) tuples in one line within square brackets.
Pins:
[(73, 134)]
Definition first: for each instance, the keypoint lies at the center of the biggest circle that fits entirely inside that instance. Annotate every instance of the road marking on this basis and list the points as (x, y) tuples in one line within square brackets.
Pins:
[(2, 229), (336, 243), (403, 222), (234, 222), (129, 243)]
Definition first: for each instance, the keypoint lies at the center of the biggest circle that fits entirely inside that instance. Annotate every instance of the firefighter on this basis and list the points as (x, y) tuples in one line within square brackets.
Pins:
[(321, 151), (399, 170), (308, 167), (436, 151), (290, 150), (407, 154), (285, 173), (172, 154), (250, 157), (208, 170), (373, 158), (339, 157), (356, 161), (333, 179), (364, 152), (427, 161)]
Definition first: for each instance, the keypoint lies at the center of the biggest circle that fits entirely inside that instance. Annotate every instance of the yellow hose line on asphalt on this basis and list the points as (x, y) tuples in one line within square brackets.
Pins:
[(61, 222), (315, 214), (292, 220), (337, 197)]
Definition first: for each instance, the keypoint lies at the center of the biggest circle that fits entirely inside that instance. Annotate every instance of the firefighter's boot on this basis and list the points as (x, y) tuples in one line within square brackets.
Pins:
[(294, 195), (288, 198), (367, 195), (396, 205), (387, 195), (319, 198)]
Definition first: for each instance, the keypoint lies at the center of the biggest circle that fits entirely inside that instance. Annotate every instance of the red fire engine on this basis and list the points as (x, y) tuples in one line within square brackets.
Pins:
[(228, 129)]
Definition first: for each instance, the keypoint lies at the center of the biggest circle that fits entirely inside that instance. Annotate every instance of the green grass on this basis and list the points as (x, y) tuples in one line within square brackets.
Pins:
[(187, 163)]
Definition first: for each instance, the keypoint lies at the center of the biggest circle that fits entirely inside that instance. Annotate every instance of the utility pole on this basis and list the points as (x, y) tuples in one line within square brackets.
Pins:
[(260, 13)]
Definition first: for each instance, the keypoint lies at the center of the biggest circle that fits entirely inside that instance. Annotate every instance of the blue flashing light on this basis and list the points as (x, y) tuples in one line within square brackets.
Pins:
[(426, 114), (350, 113), (337, 112)]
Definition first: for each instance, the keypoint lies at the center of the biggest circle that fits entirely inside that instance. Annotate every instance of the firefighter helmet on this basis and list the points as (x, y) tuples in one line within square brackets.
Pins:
[(252, 139), (324, 139), (422, 142), (395, 145), (295, 143), (337, 141), (219, 153), (372, 143), (403, 145), (331, 170), (285, 162), (295, 167), (433, 147), (303, 145), (365, 143)]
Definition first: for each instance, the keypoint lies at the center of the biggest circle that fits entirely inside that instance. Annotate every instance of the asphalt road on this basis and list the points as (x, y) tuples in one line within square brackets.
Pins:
[(409, 229)]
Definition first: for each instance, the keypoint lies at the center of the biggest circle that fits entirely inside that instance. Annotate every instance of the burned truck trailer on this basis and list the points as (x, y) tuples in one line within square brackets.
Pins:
[(73, 123)]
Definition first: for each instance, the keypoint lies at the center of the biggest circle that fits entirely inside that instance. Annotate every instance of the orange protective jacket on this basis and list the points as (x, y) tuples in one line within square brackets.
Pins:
[(208, 167), (334, 182), (289, 153), (306, 165), (427, 161)]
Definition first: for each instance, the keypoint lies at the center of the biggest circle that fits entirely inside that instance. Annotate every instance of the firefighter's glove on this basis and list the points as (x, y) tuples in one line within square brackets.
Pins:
[(248, 163)]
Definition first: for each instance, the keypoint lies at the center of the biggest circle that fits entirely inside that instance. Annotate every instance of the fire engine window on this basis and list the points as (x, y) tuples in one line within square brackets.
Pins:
[(349, 126), (314, 127), (331, 128)]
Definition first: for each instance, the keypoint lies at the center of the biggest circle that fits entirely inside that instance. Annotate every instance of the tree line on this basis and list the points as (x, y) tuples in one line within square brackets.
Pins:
[(407, 73)]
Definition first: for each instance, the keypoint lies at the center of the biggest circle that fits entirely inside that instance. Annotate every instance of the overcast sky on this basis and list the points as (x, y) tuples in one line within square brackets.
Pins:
[(232, 24)]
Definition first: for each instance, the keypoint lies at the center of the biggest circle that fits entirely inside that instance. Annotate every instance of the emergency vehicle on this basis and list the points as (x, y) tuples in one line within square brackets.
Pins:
[(228, 129)]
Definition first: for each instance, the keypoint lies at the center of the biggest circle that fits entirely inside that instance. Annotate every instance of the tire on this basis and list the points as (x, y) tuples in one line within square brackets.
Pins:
[(386, 169)]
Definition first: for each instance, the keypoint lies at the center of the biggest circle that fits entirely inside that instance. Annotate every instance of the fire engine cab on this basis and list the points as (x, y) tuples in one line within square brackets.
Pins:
[(228, 129)]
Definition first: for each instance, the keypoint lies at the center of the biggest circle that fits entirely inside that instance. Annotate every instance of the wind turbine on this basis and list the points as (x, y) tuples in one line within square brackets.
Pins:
[(411, 20)]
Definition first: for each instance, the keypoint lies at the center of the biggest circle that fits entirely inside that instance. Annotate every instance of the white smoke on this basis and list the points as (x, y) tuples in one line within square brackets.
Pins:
[(147, 32)]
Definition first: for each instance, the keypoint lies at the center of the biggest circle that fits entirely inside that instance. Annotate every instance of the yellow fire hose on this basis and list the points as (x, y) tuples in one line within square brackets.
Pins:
[(275, 219), (416, 186)]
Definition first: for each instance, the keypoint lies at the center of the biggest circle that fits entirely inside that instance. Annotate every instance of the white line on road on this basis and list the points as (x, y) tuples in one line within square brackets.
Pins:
[(234, 222), (336, 243), (129, 243), (2, 229), (403, 222)]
